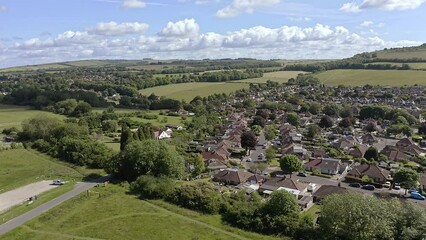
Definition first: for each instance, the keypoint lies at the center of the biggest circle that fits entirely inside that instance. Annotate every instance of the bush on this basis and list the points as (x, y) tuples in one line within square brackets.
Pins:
[(153, 187)]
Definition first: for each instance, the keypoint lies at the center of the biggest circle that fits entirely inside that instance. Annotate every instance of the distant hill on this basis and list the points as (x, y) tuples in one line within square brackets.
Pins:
[(405, 54)]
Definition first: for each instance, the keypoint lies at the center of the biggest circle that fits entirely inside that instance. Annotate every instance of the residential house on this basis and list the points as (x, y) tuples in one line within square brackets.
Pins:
[(236, 177), (369, 139), (379, 175), (162, 134), (295, 149), (358, 151), (327, 190), (215, 164), (343, 143), (329, 166), (405, 143), (395, 154), (282, 183)]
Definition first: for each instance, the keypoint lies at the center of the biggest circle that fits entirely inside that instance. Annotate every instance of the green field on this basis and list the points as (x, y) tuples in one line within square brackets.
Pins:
[(372, 77), (111, 213), (12, 116), (188, 91), (19, 167), (401, 53), (280, 77)]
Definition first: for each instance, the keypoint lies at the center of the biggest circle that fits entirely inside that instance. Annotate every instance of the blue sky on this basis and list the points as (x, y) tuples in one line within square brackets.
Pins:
[(42, 31)]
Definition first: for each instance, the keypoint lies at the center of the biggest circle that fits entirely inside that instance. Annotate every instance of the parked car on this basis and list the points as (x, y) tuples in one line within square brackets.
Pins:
[(387, 184), (302, 174), (396, 186), (58, 182), (412, 190), (368, 187), (417, 196), (248, 160), (356, 185)]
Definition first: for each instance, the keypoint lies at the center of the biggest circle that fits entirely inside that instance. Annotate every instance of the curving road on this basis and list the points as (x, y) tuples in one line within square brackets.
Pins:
[(18, 221)]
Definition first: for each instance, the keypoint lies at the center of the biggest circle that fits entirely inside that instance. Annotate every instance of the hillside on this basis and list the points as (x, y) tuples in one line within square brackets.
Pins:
[(405, 53)]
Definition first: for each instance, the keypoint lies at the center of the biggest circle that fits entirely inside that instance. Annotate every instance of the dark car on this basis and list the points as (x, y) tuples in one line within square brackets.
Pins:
[(356, 185), (369, 187), (302, 174)]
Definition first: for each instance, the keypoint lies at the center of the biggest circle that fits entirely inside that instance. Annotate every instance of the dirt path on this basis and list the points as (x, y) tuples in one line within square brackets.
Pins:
[(22, 194)]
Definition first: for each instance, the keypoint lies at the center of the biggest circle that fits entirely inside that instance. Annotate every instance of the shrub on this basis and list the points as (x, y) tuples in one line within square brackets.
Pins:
[(153, 187)]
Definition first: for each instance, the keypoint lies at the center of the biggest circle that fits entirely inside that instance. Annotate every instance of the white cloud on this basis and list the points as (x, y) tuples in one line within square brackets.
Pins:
[(133, 4), (350, 7), (366, 24), (116, 29), (243, 6), (388, 5), (183, 39), (3, 8), (186, 27), (299, 19)]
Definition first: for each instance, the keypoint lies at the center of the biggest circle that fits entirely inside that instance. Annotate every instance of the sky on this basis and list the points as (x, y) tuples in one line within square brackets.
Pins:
[(46, 31)]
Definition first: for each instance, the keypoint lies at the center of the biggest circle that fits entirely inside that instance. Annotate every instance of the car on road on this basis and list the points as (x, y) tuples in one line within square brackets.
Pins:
[(248, 160), (417, 196), (368, 187), (355, 185), (412, 190), (302, 174), (58, 182)]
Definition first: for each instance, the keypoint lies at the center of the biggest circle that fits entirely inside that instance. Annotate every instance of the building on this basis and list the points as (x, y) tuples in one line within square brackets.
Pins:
[(379, 175), (327, 190), (282, 183), (329, 166)]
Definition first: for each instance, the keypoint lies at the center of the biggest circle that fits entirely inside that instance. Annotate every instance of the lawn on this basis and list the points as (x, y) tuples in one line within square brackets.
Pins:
[(372, 77), (110, 212), (189, 91), (280, 77), (19, 167), (12, 116)]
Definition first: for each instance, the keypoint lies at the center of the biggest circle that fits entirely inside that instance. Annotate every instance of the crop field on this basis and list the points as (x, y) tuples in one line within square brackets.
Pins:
[(372, 77), (188, 91), (12, 116), (19, 167), (110, 211), (280, 77)]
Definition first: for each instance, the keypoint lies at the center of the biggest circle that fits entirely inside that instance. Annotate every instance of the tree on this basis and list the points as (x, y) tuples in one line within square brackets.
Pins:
[(357, 217), (422, 129), (149, 157), (259, 167), (109, 125), (270, 154), (345, 123), (331, 110), (371, 127), (314, 108), (126, 136), (313, 130), (196, 163), (258, 120), (281, 213), (270, 133), (248, 140), (326, 122), (371, 154), (293, 119), (82, 108), (407, 178), (290, 163)]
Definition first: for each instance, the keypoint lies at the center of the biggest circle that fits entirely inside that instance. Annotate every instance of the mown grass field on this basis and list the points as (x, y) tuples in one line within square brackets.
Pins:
[(188, 91), (372, 77), (122, 216), (19, 167), (12, 116), (280, 77)]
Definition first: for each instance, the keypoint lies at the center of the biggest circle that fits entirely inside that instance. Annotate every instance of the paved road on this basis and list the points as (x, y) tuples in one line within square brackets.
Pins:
[(254, 154), (18, 221)]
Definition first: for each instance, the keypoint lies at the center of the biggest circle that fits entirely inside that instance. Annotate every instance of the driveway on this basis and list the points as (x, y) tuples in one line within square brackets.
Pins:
[(22, 194)]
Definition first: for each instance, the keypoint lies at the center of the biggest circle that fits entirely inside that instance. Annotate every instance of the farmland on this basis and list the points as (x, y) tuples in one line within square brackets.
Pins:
[(12, 116), (280, 77), (420, 65), (111, 211), (187, 91), (19, 167), (372, 77)]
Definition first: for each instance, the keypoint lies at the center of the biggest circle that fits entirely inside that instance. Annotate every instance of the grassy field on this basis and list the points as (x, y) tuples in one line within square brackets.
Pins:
[(12, 116), (400, 53), (280, 77), (188, 91), (111, 213), (19, 167), (372, 77)]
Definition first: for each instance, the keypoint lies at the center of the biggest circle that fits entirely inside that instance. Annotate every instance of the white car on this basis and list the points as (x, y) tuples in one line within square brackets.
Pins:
[(58, 182)]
